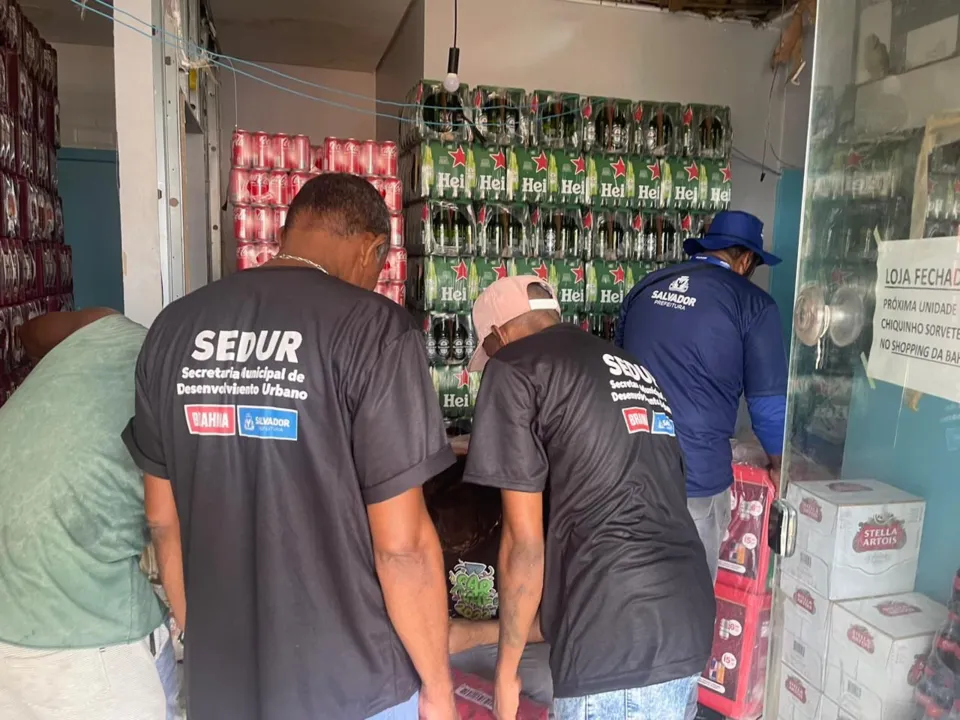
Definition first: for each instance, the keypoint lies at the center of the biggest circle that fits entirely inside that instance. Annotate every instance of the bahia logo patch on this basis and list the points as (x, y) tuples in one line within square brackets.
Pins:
[(796, 688), (267, 423), (811, 508), (896, 608), (211, 419), (881, 532), (636, 420), (663, 425), (861, 637), (804, 600)]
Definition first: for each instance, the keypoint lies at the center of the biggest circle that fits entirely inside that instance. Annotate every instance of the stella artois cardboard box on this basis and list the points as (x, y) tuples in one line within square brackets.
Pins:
[(876, 653), (799, 700), (806, 628), (855, 538)]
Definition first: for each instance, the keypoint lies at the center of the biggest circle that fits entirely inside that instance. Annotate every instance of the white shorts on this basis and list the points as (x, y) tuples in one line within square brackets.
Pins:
[(119, 682)]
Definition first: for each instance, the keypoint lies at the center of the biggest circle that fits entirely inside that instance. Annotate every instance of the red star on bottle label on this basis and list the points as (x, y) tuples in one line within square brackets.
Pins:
[(588, 220), (542, 161), (461, 270), (854, 159), (726, 172), (499, 160), (578, 274), (654, 171), (618, 275), (482, 214), (688, 116), (459, 157), (588, 110), (463, 379), (500, 270), (619, 168), (687, 223), (693, 171), (579, 165), (535, 216), (477, 99), (542, 272), (638, 113), (638, 222)]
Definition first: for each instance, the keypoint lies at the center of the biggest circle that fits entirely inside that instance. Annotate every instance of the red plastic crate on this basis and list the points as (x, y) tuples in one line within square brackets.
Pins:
[(474, 699), (736, 673)]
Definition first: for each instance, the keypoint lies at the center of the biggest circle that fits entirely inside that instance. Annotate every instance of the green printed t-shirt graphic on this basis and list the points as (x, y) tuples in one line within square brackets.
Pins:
[(71, 513)]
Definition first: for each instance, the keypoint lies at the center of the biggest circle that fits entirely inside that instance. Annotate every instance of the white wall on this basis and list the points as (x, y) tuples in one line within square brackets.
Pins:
[(399, 70), (630, 53), (88, 112)]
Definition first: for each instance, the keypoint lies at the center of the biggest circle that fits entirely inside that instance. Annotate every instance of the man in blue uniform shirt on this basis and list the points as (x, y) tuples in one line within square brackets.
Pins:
[(709, 335)]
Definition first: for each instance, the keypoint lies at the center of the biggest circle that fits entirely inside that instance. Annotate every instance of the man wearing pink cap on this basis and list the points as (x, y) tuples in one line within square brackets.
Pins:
[(596, 534)]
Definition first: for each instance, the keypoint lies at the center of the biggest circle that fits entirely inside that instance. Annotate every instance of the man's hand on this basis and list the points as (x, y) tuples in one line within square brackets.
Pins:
[(437, 705), (506, 697)]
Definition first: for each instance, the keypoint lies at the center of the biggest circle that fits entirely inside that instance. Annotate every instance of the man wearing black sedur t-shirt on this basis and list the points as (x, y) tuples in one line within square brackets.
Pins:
[(285, 422), (621, 581)]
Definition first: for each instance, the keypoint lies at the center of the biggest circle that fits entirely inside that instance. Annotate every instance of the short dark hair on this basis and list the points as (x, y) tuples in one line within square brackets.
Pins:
[(345, 204)]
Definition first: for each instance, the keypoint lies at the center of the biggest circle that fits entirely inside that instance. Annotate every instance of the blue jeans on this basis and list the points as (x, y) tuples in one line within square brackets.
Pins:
[(408, 710), (666, 701)]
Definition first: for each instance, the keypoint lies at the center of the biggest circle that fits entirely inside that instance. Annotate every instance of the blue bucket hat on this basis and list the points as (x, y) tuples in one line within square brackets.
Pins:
[(732, 228)]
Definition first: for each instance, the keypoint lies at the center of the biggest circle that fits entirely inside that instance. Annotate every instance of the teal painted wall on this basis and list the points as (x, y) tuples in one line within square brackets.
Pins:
[(91, 218), (786, 244)]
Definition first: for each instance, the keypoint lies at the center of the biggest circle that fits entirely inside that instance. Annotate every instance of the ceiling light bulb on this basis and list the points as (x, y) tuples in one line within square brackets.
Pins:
[(451, 83)]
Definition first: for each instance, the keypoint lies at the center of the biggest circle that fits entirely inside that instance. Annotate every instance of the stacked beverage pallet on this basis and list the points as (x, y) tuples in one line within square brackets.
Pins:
[(269, 170), (36, 274), (590, 194)]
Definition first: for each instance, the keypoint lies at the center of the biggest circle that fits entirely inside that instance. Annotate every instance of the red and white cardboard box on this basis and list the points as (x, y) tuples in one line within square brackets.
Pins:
[(806, 628), (474, 699), (799, 700), (736, 674), (876, 653), (744, 553), (855, 538)]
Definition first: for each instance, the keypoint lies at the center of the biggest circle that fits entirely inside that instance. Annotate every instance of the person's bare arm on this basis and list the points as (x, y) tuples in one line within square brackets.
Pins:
[(521, 587), (409, 564), (164, 524), (466, 634), (40, 335)]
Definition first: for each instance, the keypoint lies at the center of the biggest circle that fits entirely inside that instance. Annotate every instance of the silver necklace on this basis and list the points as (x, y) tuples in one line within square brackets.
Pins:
[(311, 263)]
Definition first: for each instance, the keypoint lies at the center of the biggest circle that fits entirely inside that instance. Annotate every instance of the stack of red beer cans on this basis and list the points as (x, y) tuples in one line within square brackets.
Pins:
[(35, 266), (267, 171)]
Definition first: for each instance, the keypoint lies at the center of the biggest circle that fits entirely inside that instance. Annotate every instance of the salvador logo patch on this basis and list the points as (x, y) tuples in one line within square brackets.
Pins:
[(267, 423)]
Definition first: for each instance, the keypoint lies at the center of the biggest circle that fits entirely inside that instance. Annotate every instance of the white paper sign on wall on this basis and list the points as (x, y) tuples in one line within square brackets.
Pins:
[(916, 326)]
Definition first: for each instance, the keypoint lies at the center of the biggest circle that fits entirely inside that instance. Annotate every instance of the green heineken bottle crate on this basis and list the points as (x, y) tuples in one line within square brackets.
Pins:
[(433, 170), (655, 128), (719, 184), (612, 181), (571, 179), (448, 338), (502, 229), (649, 173), (440, 227), (529, 266), (490, 173), (645, 244), (713, 137), (606, 286), (484, 271), (686, 187), (569, 282), (612, 234), (529, 174), (500, 115), (439, 284), (607, 125), (557, 232), (430, 113), (556, 120), (603, 325), (635, 272), (669, 239), (690, 225), (456, 390)]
